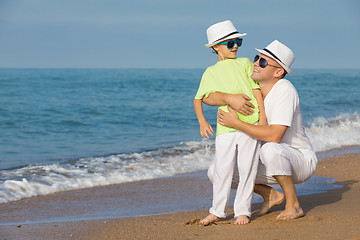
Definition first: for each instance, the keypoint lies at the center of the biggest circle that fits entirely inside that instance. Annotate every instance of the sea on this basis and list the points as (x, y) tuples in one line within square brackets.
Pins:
[(66, 129)]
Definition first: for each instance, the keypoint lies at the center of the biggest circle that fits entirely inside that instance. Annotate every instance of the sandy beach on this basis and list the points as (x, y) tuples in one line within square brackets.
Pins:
[(334, 214)]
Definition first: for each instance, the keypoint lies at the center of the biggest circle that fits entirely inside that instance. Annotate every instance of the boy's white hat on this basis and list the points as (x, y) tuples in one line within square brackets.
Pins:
[(280, 53), (220, 32)]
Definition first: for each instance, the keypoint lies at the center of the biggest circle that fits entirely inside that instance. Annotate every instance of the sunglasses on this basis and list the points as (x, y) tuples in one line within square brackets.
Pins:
[(230, 44), (262, 62)]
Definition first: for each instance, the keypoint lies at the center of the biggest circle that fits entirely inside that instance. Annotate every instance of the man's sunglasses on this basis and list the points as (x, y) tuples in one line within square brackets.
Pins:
[(263, 62), (230, 44)]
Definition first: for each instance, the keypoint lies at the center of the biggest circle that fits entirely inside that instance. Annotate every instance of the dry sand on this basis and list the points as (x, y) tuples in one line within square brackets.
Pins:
[(334, 214)]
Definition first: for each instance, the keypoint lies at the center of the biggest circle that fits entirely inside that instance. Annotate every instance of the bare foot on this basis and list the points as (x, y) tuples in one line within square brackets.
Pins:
[(242, 220), (211, 218), (290, 213), (275, 198)]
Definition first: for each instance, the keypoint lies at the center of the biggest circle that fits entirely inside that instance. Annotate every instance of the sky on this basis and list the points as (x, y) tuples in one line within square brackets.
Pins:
[(172, 34)]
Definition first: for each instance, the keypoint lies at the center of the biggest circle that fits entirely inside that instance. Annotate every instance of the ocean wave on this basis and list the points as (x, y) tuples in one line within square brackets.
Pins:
[(330, 133), (97, 171), (34, 180)]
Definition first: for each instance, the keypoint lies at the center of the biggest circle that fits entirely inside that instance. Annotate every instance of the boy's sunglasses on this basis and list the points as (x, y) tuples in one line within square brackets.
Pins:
[(262, 62), (230, 44)]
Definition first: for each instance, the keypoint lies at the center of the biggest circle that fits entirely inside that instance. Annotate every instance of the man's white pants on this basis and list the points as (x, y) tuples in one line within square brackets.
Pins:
[(282, 159), (229, 147)]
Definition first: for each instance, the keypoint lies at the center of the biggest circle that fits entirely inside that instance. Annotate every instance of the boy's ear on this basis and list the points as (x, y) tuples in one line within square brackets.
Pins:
[(215, 49)]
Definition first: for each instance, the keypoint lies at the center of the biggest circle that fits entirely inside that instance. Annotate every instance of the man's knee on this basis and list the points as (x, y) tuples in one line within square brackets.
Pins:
[(270, 151), (275, 159)]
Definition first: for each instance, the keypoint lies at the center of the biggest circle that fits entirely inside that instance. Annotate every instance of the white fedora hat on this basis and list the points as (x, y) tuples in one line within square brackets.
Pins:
[(220, 32), (280, 53)]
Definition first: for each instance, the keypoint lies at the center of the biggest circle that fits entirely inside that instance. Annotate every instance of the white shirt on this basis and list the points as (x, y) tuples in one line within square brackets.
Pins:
[(282, 107)]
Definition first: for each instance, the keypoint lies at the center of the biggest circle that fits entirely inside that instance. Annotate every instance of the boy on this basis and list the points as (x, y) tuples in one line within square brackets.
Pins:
[(230, 75)]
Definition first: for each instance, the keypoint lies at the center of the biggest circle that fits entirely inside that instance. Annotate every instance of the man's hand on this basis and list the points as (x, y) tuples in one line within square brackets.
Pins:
[(228, 119), (240, 103)]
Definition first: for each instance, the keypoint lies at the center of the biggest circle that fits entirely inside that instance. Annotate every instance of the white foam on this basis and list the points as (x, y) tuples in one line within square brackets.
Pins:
[(97, 171), (326, 134), (186, 157)]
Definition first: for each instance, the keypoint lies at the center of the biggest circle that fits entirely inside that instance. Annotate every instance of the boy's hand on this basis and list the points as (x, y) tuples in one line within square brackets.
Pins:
[(240, 103), (227, 119), (206, 128)]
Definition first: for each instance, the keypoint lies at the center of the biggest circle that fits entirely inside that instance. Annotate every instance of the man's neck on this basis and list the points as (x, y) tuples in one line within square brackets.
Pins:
[(266, 86)]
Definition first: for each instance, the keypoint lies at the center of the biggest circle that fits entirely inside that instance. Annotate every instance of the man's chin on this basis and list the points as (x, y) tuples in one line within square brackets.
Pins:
[(253, 76)]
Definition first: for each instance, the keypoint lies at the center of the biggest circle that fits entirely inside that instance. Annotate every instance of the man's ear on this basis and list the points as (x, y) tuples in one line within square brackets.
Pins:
[(279, 72)]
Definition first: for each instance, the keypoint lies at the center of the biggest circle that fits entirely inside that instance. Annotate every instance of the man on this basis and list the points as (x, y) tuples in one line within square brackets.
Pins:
[(287, 156)]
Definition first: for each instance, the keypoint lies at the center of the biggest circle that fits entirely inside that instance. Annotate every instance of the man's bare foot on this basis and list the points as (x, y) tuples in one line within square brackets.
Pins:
[(242, 220), (290, 213), (211, 218), (275, 198)]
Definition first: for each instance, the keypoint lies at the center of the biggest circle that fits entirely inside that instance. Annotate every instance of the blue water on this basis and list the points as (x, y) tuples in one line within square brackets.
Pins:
[(53, 114), (327, 93), (74, 128)]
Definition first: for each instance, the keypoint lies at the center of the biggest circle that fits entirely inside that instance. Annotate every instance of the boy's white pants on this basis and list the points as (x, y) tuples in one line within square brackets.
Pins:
[(229, 147)]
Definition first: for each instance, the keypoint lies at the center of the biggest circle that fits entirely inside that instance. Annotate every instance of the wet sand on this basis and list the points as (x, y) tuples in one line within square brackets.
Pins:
[(334, 214)]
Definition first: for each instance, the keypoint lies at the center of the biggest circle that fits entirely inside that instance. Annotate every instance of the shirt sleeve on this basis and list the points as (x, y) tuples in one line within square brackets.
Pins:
[(206, 86), (283, 107)]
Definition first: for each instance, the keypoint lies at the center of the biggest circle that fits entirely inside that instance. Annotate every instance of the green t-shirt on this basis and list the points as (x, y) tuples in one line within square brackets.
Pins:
[(230, 76)]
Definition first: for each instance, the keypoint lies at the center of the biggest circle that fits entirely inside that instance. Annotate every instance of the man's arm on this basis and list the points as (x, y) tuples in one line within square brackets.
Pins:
[(260, 102), (272, 133), (239, 102)]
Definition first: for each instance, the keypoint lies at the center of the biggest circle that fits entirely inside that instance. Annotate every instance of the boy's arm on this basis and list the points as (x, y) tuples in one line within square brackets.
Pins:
[(260, 102), (205, 127), (239, 102)]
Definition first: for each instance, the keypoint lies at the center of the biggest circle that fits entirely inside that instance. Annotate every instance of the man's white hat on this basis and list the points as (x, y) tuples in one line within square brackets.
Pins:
[(220, 32), (280, 53)]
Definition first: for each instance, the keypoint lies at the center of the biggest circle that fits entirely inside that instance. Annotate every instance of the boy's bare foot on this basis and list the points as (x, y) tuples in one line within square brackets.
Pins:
[(242, 220), (275, 198), (209, 219), (290, 213)]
